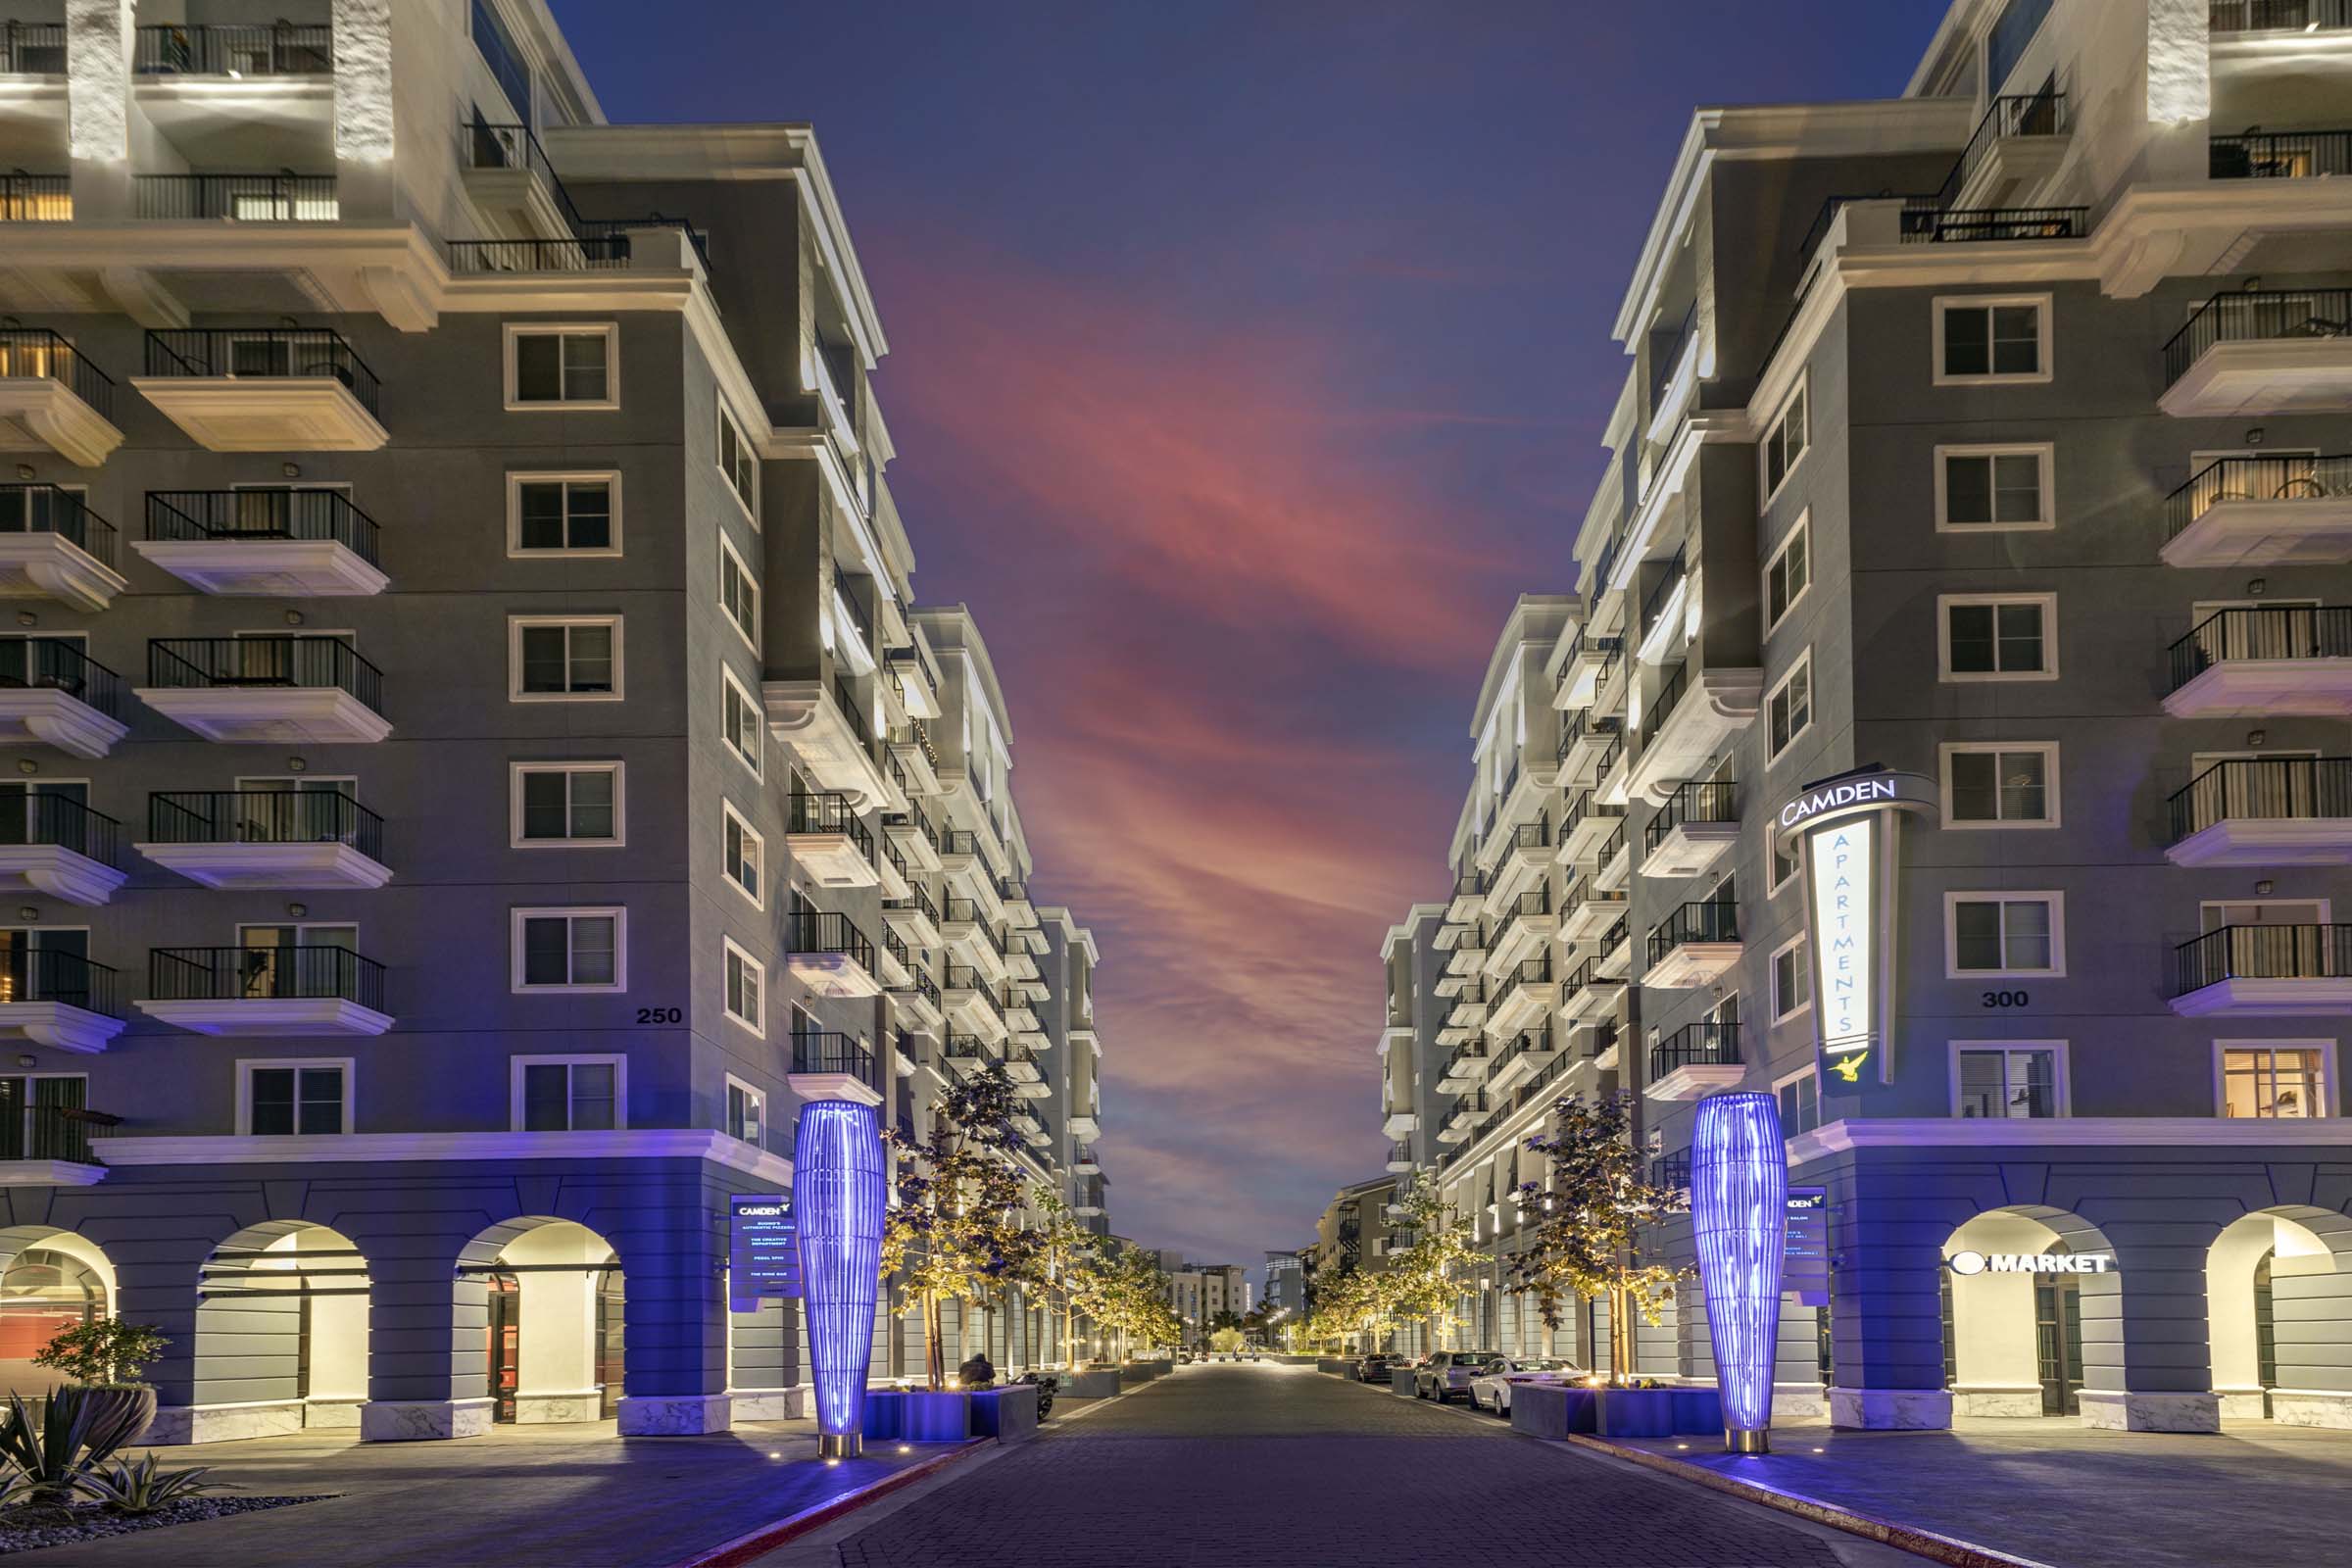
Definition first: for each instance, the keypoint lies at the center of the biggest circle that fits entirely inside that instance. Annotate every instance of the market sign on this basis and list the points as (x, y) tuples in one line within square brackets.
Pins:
[(2032, 1262), (763, 1254)]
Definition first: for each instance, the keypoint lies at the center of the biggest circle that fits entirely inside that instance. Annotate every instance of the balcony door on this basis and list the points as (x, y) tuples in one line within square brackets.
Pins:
[(2275, 938), (2263, 792), (45, 963), (32, 1123), (265, 818), (273, 964), (24, 821)]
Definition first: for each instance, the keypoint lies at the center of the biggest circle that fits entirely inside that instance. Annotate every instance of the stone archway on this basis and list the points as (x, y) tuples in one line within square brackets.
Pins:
[(2296, 1261), (50, 1279), (543, 1299), (281, 1333), (2013, 1312)]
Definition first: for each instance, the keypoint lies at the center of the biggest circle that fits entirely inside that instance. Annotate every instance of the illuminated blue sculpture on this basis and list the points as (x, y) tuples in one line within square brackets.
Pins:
[(1739, 1213), (838, 1199)]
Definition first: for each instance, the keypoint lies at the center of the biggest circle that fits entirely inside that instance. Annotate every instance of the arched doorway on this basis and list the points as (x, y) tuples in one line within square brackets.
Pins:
[(2012, 1286), (281, 1328), (550, 1295), (2282, 1265), (50, 1281)]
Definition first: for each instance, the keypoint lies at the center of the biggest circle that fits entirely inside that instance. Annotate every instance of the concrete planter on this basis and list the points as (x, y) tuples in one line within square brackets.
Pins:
[(1553, 1409), (1332, 1364), (1006, 1414), (1401, 1381), (1635, 1412), (1099, 1383), (918, 1416), (1698, 1412)]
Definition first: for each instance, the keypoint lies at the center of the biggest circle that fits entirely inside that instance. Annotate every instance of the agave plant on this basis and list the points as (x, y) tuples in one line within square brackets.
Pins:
[(144, 1486), (51, 1454)]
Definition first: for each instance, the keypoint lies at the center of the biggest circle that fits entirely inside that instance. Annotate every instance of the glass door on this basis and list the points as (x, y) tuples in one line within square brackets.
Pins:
[(505, 1343)]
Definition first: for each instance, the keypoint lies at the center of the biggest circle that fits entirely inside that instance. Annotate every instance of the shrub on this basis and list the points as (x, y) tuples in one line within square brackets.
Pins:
[(53, 1453), (105, 1350), (146, 1487)]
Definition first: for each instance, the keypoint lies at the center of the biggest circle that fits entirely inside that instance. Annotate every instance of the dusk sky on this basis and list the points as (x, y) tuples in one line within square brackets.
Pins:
[(1246, 362)]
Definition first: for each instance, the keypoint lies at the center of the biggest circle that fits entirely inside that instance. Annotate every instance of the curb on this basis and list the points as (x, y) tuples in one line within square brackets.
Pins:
[(1927, 1543), (782, 1532)]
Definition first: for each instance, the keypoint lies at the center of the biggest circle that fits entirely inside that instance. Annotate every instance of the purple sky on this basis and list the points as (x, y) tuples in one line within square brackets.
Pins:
[(1249, 359)]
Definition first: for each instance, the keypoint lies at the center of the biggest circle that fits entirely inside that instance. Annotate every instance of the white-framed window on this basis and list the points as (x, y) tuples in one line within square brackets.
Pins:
[(583, 949), (1789, 704), (2275, 1078), (1996, 636), (575, 804), (558, 365), (738, 593), (739, 721), (1789, 572), (1800, 1095), (569, 1093), (1996, 489), (747, 990), (1785, 439), (1989, 935), (1992, 338), (747, 1112), (1999, 784), (1792, 980), (283, 1098), (739, 463), (743, 855), (1782, 867), (564, 658), (564, 513), (2009, 1079)]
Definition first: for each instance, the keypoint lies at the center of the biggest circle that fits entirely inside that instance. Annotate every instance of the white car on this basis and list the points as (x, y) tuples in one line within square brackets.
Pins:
[(1491, 1389)]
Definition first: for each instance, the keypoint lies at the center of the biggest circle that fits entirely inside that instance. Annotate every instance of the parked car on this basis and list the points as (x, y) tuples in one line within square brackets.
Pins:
[(1447, 1373), (1490, 1390), (1374, 1368)]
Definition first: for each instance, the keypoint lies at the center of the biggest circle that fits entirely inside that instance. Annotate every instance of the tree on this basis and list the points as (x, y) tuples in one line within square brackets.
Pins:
[(103, 1351), (1063, 1253), (1421, 1283), (1226, 1319), (1589, 1242)]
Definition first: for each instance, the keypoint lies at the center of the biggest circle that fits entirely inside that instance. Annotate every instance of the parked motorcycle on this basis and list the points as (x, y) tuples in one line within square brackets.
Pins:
[(1048, 1384)]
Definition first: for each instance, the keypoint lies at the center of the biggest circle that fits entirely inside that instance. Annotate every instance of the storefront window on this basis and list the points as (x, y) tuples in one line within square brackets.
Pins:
[(2267, 1081)]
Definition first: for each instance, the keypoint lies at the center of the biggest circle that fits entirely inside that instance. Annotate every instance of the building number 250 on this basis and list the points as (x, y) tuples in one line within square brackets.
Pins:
[(678, 1014)]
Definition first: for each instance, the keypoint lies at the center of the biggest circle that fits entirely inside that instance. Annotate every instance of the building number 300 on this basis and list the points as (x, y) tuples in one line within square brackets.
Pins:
[(2004, 999)]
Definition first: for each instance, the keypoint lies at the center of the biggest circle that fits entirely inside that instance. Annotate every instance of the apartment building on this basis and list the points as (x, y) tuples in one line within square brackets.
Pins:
[(1199, 1294), (1970, 553), (1071, 1108), (480, 761), (1286, 1284), (1411, 1059)]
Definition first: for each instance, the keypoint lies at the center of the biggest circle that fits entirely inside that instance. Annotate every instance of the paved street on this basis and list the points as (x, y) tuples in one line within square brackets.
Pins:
[(1224, 1464)]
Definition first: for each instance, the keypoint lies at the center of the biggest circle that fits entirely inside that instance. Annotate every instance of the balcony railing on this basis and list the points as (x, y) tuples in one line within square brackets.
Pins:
[(485, 145), (1587, 806), (1670, 1171), (268, 512), (60, 822), (2281, 154), (2282, 632), (2264, 789), (1527, 972), (824, 811), (922, 985), (854, 712), (53, 1132), (833, 1052), (284, 49), (2280, 478), (264, 816), (36, 198), (2040, 114), (1400, 1153), (916, 899), (273, 352), (1604, 1041), (1691, 802), (1533, 1042), (266, 974), (1696, 1045), (1463, 1056), (32, 48), (2257, 316), (2263, 953), (602, 252), (2279, 16), (279, 198), (965, 1048), (49, 974), (1621, 932), (36, 353), (1609, 754), (1671, 692), (823, 931), (1536, 835), (1663, 362), (1928, 224), (1663, 589), (965, 911), (1709, 920), (50, 509), (302, 661), (54, 663)]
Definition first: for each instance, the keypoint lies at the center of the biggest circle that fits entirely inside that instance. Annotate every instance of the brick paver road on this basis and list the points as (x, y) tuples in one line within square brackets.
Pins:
[(1238, 1464)]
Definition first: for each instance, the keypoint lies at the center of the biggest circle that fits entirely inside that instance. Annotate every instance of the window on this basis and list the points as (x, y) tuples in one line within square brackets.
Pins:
[(282, 1098), (745, 854), (557, 660), (1980, 339), (1783, 867), (570, 950), (1789, 573), (1791, 705), (1792, 981), (2005, 42), (569, 1094), (739, 719), (738, 593), (737, 461), (747, 1111), (507, 66), (1992, 637), (562, 367), (2000, 784), (566, 802), (1993, 489), (2260, 1078), (747, 980), (1800, 1102), (1785, 441), (2004, 934), (2009, 1081), (564, 513)]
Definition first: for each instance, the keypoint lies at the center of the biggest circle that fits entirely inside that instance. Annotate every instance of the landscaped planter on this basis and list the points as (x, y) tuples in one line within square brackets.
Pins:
[(1008, 1414), (1401, 1381), (1099, 1383), (1553, 1409), (1635, 1412), (1697, 1412), (1333, 1365)]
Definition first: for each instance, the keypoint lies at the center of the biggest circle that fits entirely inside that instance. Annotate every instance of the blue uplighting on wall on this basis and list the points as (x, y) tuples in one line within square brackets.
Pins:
[(1739, 1212), (838, 1200)]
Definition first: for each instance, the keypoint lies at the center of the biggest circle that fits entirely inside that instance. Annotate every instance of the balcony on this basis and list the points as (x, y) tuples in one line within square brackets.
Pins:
[(1527, 928), (1401, 1156), (264, 389), (1580, 672), (969, 937), (829, 731), (2263, 972), (1671, 1172), (1584, 740), (1017, 906), (1587, 995), (53, 399), (1520, 1060), (966, 1055), (1469, 896), (830, 1066), (917, 1005), (243, 53), (36, 198), (1469, 1008), (2293, 659), (1086, 1199), (602, 252), (2276, 810), (50, 1145), (1525, 998), (267, 542), (1603, 1049), (1585, 826), (1083, 1160), (32, 48), (507, 173), (318, 838), (1687, 725), (51, 694), (53, 546), (2261, 511), (1612, 861), (909, 834), (2017, 146), (2231, 18), (1692, 946), (2281, 154), (1612, 771), (1470, 944), (1399, 1121), (1665, 613), (1615, 960), (914, 917), (1465, 1069), (297, 688), (829, 954), (2261, 351), (284, 197), (58, 999), (972, 1005), (1591, 912), (828, 841), (1025, 1067), (53, 845), (296, 990), (1928, 224), (1692, 831), (1462, 1116), (1699, 1059)]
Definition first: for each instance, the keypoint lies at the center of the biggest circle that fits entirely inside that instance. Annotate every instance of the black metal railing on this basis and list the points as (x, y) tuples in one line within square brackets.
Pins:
[(2284, 631), (324, 516), (63, 823), (962, 912), (56, 663), (1663, 364), (1463, 1056), (2257, 316), (1929, 224), (830, 1050), (1619, 933), (1604, 1041), (1663, 589), (284, 197), (1469, 883), (1671, 692), (2263, 953), (2279, 478), (53, 1132), (1577, 979), (917, 899), (1400, 1153), (1536, 835), (482, 144), (266, 974), (36, 198), (824, 811), (1716, 802), (1609, 754), (2039, 114), (1708, 920), (272, 352), (821, 931), (1696, 1045), (32, 48), (1587, 806), (1533, 971), (922, 985), (1473, 1103), (299, 659), (602, 252), (36, 353), (964, 1047), (1536, 900), (2279, 16), (281, 49), (2281, 154), (264, 816), (1822, 220), (2270, 789), (854, 713), (1611, 846), (50, 974), (52, 508)]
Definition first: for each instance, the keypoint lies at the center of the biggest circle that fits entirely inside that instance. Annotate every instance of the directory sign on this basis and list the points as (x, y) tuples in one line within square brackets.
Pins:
[(763, 1254), (1805, 1256)]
